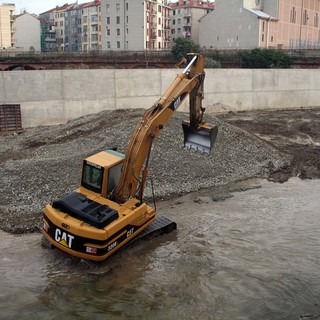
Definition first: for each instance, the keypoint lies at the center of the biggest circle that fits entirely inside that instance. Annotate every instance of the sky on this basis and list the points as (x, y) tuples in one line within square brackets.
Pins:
[(39, 6)]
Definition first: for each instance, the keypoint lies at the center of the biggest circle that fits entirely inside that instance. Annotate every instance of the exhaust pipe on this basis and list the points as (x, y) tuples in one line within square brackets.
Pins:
[(201, 139)]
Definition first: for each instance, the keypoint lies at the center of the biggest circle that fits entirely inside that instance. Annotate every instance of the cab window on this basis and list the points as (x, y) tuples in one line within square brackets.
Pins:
[(92, 176)]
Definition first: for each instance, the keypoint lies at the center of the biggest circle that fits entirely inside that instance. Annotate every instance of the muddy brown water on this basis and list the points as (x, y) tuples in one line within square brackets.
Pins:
[(253, 256)]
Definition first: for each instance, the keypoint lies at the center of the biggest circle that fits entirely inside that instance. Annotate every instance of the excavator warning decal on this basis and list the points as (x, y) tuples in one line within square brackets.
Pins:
[(176, 102)]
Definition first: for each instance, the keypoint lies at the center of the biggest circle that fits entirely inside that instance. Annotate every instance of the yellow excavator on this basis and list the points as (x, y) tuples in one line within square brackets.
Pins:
[(108, 211)]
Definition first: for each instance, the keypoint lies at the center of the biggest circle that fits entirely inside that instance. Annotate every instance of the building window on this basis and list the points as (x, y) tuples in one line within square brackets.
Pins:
[(305, 17), (118, 44), (271, 38), (316, 20), (85, 19), (174, 12), (263, 26), (127, 31), (118, 32), (108, 32), (118, 6), (118, 20), (173, 21), (127, 19), (108, 45), (179, 21), (293, 15), (94, 18), (159, 33), (262, 38), (127, 6), (108, 7), (159, 8)]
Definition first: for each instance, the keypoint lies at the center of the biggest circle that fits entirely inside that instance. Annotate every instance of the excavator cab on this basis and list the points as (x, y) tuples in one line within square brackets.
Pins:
[(101, 172)]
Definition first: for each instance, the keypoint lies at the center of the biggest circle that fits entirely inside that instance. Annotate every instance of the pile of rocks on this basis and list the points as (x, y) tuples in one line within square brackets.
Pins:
[(43, 164)]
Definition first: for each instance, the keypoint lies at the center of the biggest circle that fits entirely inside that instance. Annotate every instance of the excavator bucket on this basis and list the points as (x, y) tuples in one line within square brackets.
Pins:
[(201, 139)]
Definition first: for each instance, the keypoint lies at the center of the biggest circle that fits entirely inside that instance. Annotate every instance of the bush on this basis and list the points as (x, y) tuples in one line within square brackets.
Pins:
[(265, 58), (211, 63), (182, 46)]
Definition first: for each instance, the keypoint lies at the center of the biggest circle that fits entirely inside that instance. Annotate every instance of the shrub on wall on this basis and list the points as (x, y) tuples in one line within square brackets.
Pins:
[(182, 46), (212, 63), (265, 58)]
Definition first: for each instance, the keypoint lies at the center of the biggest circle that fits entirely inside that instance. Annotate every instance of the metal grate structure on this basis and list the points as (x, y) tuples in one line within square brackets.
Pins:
[(10, 117)]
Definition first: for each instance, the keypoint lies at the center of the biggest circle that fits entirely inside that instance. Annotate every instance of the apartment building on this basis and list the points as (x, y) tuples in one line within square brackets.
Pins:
[(28, 32), (60, 13), (72, 29), (185, 16), (91, 26), (135, 24), (298, 24), (48, 36), (77, 27), (246, 24), (7, 29)]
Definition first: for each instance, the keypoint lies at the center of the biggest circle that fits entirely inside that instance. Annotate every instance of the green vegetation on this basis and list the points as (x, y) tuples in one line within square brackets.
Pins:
[(265, 58), (182, 46)]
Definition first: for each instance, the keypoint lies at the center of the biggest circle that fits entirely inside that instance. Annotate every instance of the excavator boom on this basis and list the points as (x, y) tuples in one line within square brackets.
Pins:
[(197, 134)]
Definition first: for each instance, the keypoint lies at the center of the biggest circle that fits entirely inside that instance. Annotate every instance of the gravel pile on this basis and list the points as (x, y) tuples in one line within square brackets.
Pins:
[(43, 164)]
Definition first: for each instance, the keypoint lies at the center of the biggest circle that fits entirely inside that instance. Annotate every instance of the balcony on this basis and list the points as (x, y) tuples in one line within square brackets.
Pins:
[(48, 39)]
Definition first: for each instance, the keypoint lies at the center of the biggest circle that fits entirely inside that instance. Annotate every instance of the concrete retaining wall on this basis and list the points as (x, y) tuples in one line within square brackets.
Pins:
[(56, 96)]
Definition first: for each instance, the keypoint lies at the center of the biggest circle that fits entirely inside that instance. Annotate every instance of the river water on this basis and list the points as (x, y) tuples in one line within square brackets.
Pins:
[(253, 256)]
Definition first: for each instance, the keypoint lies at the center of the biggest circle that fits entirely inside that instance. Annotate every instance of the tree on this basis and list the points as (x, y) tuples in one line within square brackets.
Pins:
[(182, 46)]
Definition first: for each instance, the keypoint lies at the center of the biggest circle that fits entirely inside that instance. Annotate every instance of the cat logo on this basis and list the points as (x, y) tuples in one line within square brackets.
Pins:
[(63, 238), (65, 226)]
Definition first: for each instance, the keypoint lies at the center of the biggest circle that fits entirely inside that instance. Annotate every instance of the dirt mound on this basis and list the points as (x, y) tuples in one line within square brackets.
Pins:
[(296, 132), (43, 164)]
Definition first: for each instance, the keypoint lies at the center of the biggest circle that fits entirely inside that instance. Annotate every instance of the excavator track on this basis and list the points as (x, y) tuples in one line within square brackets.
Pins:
[(162, 225)]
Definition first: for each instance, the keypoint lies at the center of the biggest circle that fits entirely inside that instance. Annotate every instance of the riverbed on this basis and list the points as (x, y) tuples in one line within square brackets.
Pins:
[(252, 256)]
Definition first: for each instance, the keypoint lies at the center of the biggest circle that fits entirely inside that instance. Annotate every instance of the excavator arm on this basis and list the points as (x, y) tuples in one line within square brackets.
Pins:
[(198, 135)]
